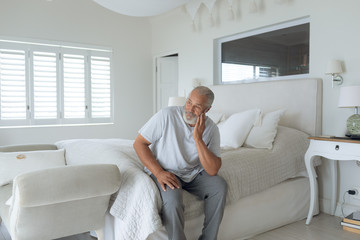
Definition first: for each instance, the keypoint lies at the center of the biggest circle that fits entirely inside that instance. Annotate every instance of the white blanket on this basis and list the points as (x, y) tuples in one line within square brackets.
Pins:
[(138, 202)]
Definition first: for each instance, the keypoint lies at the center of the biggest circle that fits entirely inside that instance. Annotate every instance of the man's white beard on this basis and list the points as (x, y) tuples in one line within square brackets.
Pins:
[(190, 118)]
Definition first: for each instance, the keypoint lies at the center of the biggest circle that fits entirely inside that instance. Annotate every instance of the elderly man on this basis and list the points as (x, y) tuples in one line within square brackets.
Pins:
[(180, 149)]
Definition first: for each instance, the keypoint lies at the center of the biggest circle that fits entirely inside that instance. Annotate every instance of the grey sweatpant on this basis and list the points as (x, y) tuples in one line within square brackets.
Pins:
[(211, 189)]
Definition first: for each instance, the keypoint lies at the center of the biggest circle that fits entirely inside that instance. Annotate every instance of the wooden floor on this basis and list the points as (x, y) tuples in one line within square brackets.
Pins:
[(322, 227)]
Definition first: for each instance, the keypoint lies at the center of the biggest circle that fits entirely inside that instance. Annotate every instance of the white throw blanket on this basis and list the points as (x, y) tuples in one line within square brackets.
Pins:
[(138, 202)]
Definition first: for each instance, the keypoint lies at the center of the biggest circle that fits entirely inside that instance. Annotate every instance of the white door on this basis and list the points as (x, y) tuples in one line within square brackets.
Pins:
[(166, 80)]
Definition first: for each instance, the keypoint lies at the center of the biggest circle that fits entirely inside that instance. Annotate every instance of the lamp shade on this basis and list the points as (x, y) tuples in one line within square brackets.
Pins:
[(176, 101), (349, 96), (334, 66)]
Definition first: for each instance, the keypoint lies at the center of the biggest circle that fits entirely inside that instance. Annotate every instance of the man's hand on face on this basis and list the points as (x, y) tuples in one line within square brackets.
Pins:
[(167, 178), (199, 127)]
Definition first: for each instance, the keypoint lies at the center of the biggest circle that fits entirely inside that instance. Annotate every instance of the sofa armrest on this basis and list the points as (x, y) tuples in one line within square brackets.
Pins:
[(68, 183)]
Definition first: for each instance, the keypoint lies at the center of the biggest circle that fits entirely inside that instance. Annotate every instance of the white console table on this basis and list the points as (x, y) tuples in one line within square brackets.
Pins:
[(332, 148)]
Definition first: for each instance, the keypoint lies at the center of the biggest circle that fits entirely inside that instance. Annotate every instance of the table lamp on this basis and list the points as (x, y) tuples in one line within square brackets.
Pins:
[(176, 101), (350, 98)]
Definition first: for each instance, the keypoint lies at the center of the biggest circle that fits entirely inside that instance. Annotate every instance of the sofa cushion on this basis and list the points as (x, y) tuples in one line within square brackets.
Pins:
[(15, 163)]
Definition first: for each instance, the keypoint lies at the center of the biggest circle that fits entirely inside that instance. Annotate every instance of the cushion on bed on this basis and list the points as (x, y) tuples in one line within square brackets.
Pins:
[(93, 151), (263, 136), (15, 163), (236, 128)]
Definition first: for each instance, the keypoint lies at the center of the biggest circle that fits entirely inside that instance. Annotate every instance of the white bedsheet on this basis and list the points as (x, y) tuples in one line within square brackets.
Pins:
[(138, 201)]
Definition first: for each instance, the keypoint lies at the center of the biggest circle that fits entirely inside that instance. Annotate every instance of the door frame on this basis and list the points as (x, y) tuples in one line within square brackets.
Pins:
[(161, 55)]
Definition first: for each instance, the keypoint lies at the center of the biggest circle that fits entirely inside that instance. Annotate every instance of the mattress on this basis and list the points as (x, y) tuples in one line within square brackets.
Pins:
[(277, 206)]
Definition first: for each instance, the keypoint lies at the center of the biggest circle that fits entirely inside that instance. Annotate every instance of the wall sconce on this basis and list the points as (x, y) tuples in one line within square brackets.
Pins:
[(334, 68)]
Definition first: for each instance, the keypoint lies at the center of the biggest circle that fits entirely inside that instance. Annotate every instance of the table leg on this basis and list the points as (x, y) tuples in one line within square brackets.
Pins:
[(333, 166), (309, 158)]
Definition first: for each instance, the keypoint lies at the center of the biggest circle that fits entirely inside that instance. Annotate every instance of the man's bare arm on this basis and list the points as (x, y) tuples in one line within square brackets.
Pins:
[(209, 160), (141, 146)]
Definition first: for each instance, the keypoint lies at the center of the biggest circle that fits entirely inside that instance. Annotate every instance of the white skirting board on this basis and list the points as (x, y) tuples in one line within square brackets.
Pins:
[(282, 204), (348, 207)]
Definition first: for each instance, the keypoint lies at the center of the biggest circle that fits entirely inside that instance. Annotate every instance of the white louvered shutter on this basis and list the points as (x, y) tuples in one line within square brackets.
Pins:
[(100, 87), (12, 85), (74, 86), (45, 85)]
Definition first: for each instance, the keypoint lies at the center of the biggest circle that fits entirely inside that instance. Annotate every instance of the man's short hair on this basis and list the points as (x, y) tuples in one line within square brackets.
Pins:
[(205, 91)]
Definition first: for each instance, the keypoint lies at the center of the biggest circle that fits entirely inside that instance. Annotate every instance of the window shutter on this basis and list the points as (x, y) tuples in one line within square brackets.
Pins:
[(12, 84), (52, 84), (100, 87), (74, 86), (45, 86)]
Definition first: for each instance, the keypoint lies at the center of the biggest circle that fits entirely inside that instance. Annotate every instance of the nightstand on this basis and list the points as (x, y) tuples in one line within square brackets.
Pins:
[(332, 148)]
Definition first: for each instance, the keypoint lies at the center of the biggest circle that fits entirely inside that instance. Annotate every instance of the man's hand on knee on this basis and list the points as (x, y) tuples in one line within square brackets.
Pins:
[(167, 178)]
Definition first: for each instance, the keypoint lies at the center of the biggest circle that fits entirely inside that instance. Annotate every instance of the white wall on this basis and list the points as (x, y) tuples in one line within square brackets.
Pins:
[(333, 35), (83, 21)]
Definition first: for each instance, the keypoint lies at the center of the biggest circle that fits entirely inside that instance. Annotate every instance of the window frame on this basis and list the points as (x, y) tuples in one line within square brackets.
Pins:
[(219, 41), (31, 46)]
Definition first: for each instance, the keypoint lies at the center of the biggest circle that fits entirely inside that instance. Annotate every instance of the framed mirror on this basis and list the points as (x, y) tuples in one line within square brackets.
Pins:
[(270, 53)]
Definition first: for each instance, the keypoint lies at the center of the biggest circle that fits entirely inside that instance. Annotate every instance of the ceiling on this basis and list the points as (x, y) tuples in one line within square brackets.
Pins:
[(141, 8)]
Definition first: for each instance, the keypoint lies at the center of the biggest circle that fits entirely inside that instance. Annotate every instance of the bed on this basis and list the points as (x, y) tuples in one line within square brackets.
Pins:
[(259, 210), (268, 188)]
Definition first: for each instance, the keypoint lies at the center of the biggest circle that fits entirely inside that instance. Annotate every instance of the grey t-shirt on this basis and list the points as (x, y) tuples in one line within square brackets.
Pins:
[(173, 145)]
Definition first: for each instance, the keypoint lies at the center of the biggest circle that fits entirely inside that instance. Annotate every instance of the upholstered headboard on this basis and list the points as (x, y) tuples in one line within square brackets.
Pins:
[(302, 99)]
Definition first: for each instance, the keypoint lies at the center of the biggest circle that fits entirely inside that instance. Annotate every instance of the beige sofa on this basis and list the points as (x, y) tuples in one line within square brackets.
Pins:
[(59, 201)]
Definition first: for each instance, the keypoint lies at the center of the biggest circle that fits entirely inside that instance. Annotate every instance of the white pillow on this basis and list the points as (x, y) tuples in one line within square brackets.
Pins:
[(217, 117), (15, 163), (236, 128), (263, 136), (93, 151)]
